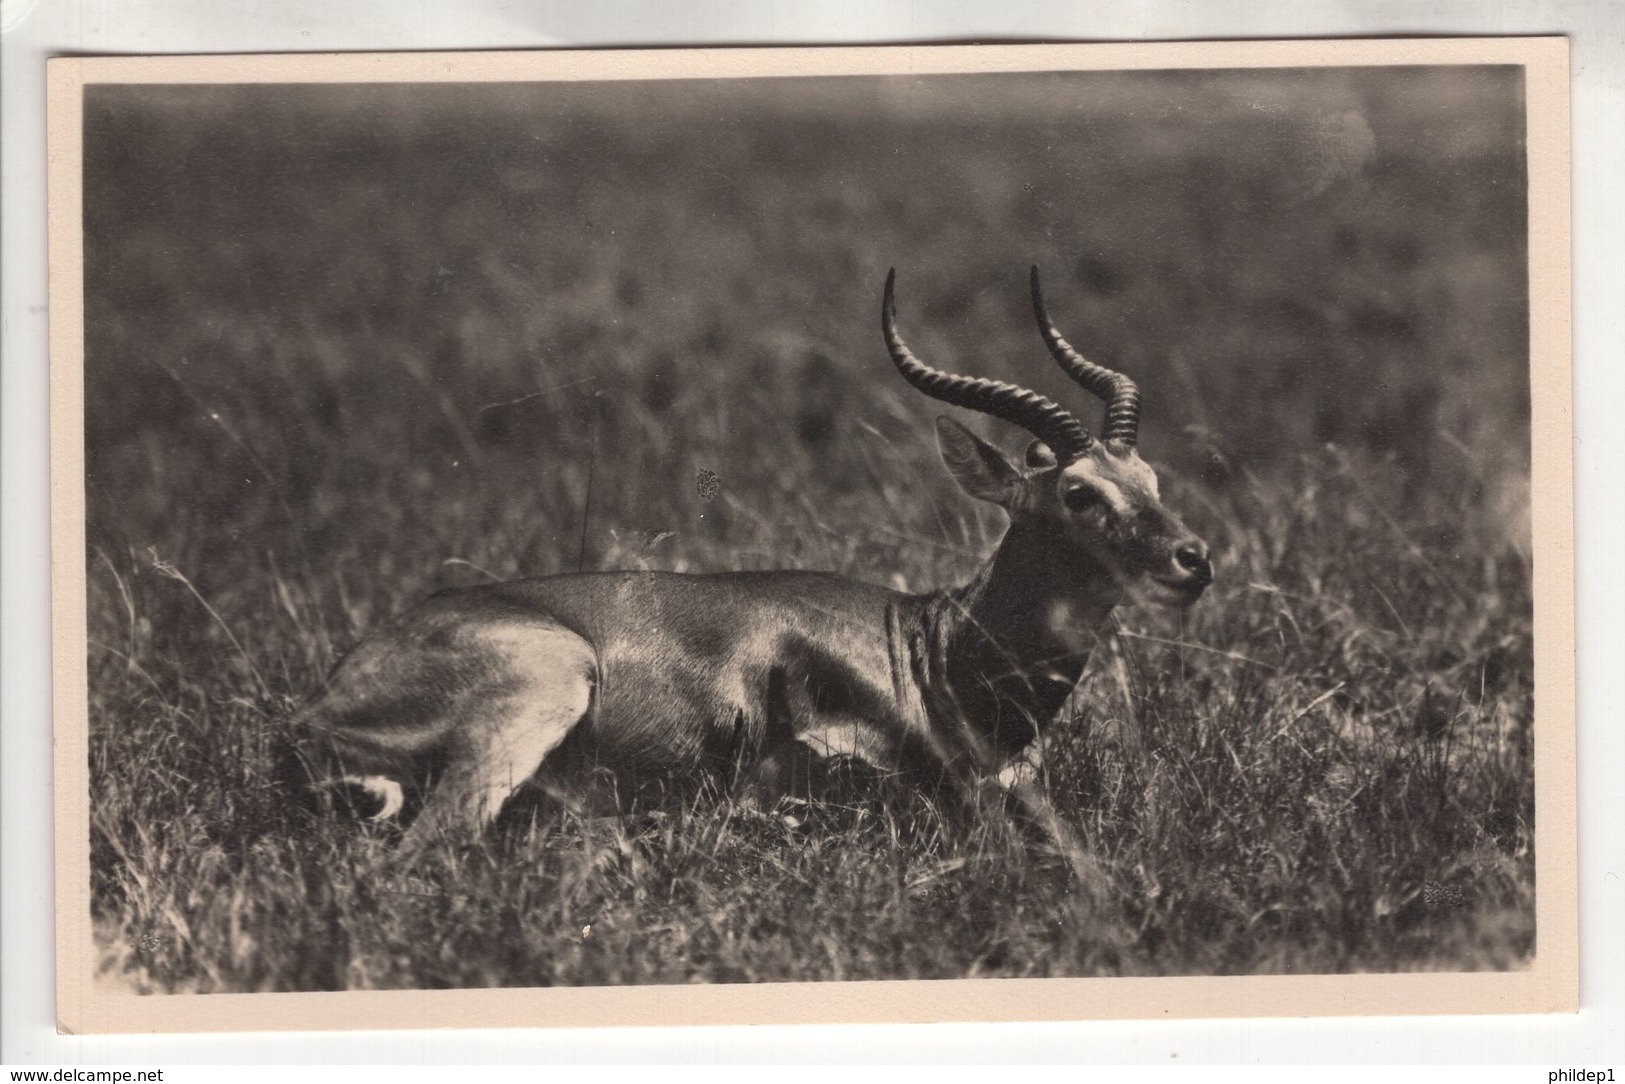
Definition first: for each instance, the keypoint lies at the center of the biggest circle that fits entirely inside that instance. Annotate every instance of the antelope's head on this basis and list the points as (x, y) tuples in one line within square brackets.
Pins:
[(1095, 500)]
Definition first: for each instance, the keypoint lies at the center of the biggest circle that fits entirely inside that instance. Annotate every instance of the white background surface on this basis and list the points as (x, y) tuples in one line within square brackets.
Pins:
[(35, 29)]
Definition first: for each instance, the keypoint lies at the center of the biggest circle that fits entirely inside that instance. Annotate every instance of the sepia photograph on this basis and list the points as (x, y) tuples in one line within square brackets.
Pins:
[(1044, 520)]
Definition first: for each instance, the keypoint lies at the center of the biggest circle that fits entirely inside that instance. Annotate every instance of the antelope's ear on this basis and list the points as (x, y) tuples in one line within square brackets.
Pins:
[(980, 469), (1039, 456)]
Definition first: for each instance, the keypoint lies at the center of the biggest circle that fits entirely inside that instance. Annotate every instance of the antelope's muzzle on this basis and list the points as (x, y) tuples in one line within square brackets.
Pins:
[(1189, 570)]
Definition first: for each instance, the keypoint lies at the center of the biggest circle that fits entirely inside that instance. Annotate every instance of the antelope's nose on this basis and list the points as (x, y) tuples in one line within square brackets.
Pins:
[(1191, 559)]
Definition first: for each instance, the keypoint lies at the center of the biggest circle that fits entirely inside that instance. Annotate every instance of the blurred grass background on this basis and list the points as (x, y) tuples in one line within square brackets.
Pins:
[(347, 344)]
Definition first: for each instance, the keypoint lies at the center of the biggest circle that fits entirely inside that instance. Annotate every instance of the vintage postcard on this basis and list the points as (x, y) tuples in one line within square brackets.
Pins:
[(921, 533)]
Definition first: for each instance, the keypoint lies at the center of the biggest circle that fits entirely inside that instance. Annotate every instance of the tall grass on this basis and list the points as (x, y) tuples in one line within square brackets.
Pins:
[(346, 346)]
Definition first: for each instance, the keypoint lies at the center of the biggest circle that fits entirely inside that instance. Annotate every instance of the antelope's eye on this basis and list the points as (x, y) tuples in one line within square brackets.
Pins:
[(1082, 499)]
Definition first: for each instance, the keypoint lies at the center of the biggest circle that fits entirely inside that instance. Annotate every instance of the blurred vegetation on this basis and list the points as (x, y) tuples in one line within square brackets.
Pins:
[(345, 345)]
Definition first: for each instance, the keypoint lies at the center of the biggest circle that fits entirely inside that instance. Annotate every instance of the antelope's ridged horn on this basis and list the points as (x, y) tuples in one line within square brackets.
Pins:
[(1120, 394), (1042, 417)]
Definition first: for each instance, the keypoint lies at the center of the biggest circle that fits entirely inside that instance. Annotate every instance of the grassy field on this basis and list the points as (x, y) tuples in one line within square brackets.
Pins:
[(344, 348)]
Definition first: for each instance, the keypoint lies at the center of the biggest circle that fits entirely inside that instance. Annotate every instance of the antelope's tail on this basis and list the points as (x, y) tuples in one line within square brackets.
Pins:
[(318, 773)]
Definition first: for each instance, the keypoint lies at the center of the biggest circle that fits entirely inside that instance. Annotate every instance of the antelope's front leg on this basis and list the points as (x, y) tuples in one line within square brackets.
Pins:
[(1026, 767), (1027, 798), (816, 765)]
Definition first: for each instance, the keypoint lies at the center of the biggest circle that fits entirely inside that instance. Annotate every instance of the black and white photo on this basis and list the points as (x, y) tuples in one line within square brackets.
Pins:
[(925, 515)]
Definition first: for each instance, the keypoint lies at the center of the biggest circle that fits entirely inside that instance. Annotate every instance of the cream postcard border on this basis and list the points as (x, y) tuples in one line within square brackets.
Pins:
[(1549, 984)]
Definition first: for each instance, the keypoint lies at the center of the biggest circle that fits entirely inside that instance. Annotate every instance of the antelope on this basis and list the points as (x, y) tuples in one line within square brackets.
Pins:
[(635, 681)]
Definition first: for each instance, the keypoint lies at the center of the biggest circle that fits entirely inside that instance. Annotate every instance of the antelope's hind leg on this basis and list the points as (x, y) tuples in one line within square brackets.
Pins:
[(539, 684)]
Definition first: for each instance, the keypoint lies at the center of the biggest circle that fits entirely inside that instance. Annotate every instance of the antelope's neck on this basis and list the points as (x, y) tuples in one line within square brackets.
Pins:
[(1025, 628)]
